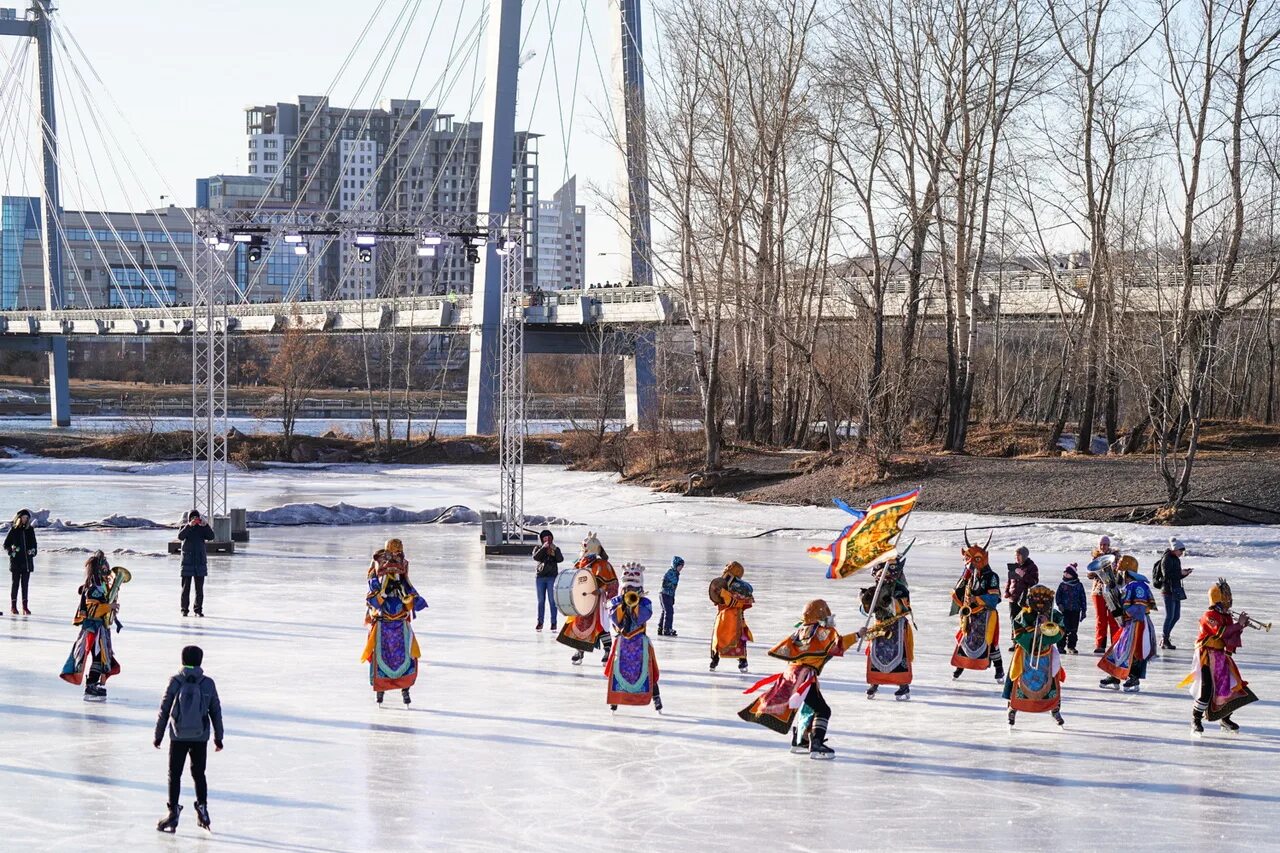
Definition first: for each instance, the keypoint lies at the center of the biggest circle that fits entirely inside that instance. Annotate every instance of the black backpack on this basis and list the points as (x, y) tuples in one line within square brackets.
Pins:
[(189, 711), (1157, 574)]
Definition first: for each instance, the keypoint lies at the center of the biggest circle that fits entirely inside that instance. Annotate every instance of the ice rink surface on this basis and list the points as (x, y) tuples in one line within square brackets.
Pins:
[(509, 747)]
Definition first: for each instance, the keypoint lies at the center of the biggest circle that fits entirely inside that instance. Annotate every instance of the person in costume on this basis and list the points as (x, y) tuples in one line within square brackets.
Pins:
[(632, 670), (1134, 644), (1216, 685), (1036, 673), (1073, 603), (392, 650), (585, 633), (1105, 625), (730, 633), (891, 646), (977, 599), (794, 700), (93, 649)]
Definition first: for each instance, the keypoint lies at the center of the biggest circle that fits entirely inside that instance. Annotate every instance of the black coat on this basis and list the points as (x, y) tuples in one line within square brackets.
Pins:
[(1172, 564), (548, 560), (195, 558), (20, 545)]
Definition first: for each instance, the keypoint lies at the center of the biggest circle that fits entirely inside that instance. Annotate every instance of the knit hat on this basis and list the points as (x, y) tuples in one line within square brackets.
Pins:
[(1023, 551), (633, 575), (1175, 544), (677, 562), (1070, 573), (1104, 541)]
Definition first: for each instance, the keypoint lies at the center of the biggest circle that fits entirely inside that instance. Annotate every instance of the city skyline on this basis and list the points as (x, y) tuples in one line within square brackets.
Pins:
[(191, 122)]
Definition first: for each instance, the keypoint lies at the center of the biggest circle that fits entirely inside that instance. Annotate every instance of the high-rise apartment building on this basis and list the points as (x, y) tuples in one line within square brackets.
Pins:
[(561, 254), (400, 156)]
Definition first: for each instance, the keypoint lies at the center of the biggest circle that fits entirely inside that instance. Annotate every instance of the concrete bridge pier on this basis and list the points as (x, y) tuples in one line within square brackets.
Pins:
[(59, 385), (639, 383)]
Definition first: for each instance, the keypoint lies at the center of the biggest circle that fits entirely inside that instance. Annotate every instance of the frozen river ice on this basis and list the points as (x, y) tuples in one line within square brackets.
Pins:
[(509, 747)]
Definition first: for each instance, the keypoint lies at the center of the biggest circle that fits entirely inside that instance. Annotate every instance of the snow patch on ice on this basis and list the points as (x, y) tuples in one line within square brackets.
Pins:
[(344, 515), (25, 464)]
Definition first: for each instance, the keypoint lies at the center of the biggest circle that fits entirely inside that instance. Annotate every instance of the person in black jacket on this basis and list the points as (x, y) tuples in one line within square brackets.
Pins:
[(548, 557), (195, 559), (1168, 579), (20, 545), (190, 708)]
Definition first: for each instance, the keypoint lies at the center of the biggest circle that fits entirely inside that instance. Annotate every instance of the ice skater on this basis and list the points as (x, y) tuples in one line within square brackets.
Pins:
[(195, 559), (632, 670), (548, 557), (730, 634), (20, 545), (1168, 577), (1105, 625), (391, 650), (586, 633), (1035, 672), (976, 598), (1074, 606), (190, 709), (666, 625), (794, 692), (891, 639), (1134, 644), (1215, 683), (1023, 574), (93, 649)]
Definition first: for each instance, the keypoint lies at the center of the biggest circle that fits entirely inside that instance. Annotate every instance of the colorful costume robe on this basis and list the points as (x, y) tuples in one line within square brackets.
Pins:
[(889, 657), (1216, 644), (584, 633), (806, 652), (93, 648), (1032, 683), (632, 670), (392, 650), (1135, 643), (979, 633), (730, 632)]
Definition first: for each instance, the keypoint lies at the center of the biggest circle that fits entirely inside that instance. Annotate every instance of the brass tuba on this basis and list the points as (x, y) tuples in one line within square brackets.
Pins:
[(122, 576)]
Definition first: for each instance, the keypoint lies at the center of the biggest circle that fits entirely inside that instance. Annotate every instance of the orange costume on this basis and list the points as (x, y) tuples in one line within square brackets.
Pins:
[(1216, 684), (730, 633), (584, 633)]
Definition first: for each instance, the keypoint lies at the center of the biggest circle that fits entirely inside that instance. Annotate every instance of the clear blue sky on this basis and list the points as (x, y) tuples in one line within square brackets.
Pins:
[(183, 72)]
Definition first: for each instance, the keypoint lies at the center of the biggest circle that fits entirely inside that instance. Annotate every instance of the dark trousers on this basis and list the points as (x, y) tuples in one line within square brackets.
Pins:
[(1014, 609), (178, 752), (821, 710), (1071, 627), (1172, 613), (546, 598), (186, 593), (20, 580), (668, 613)]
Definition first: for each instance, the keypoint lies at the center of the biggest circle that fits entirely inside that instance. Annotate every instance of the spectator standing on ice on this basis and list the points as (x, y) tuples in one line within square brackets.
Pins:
[(548, 557), (1072, 604), (1023, 574), (191, 709), (20, 545), (195, 559), (1167, 578), (670, 581)]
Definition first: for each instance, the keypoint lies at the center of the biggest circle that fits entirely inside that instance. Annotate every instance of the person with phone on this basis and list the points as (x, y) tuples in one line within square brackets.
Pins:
[(195, 559)]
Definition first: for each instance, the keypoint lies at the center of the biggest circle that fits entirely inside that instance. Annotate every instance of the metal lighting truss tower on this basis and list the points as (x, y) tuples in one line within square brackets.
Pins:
[(219, 232)]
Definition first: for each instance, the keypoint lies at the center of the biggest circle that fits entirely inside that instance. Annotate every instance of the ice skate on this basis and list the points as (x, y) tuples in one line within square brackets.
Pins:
[(1109, 683), (799, 741), (1228, 725), (1072, 652), (657, 704), (13, 609), (1100, 650), (185, 614), (379, 697), (604, 658), (95, 693), (25, 611), (871, 691), (538, 627), (1057, 717), (672, 634), (576, 660), (202, 815), (613, 709), (404, 694), (169, 823), (742, 665), (955, 676), (1197, 723), (714, 663), (1132, 685), (200, 613), (1165, 644), (818, 749), (999, 673), (903, 693), (1012, 716)]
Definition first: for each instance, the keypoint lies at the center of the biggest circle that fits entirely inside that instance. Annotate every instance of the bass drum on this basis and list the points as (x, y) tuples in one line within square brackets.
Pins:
[(576, 592)]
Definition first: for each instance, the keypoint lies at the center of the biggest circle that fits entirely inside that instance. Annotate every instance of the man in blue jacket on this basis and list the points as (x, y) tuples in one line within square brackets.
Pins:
[(195, 559), (190, 708)]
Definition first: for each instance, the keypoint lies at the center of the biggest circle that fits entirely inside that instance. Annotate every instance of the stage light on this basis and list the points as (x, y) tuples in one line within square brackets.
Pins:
[(366, 254), (300, 249), (242, 238), (425, 251), (366, 240), (473, 255), (293, 238), (432, 239)]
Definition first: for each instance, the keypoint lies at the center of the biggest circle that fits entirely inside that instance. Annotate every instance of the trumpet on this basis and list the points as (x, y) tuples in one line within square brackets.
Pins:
[(881, 628), (631, 599), (1253, 623)]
